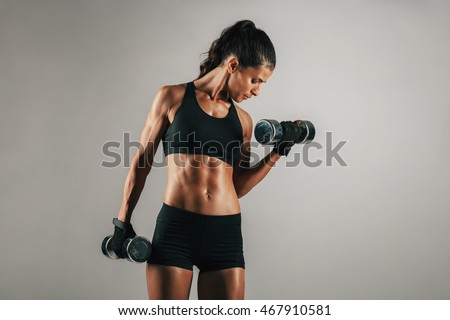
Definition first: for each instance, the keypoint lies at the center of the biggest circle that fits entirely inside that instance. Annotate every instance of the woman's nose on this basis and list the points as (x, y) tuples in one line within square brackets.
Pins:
[(255, 91)]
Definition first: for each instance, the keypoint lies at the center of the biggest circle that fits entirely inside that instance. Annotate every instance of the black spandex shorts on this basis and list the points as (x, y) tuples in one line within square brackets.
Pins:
[(184, 238)]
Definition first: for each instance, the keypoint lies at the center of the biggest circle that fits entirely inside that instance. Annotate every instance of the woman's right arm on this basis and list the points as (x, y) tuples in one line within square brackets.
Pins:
[(154, 128)]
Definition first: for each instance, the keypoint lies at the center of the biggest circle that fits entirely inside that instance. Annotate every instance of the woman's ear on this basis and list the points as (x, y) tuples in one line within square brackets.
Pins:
[(233, 64)]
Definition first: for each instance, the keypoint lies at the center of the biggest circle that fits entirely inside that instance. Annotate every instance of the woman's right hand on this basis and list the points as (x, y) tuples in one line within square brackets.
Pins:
[(122, 231)]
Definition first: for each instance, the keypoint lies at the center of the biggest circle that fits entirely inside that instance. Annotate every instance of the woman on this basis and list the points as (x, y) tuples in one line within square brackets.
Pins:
[(206, 142)]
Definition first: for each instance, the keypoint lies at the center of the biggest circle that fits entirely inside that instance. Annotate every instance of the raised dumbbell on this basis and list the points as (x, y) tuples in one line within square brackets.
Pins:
[(271, 131)]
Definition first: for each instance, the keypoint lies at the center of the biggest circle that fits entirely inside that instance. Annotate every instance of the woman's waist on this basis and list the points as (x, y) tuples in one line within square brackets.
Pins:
[(201, 198), (175, 215)]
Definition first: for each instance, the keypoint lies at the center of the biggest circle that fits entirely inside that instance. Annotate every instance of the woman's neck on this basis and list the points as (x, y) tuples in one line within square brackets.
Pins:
[(214, 84)]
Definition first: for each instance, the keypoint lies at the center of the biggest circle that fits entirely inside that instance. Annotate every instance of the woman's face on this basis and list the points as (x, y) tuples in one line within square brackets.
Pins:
[(245, 83)]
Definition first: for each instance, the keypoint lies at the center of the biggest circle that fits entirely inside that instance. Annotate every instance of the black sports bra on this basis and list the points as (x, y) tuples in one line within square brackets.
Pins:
[(193, 131)]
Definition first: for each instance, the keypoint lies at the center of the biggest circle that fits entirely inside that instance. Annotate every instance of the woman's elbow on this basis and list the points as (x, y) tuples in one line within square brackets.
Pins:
[(242, 191)]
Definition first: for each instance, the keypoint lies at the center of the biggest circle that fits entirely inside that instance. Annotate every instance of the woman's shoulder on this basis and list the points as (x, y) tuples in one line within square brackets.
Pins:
[(172, 94), (173, 91), (244, 115), (245, 119)]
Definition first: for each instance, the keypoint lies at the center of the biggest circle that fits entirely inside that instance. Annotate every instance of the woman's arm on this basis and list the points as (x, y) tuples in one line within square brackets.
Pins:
[(154, 128), (244, 176)]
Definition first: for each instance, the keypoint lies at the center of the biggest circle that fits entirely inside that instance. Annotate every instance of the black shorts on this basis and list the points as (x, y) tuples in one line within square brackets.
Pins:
[(184, 238)]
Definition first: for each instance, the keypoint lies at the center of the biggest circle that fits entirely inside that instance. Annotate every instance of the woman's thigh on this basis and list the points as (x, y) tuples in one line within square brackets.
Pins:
[(168, 282), (225, 284)]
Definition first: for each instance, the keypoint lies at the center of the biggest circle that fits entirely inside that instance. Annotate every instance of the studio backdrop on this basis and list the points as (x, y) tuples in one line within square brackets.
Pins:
[(363, 212)]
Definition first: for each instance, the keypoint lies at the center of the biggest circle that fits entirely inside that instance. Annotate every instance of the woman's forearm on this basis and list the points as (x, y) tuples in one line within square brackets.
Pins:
[(250, 177), (134, 184)]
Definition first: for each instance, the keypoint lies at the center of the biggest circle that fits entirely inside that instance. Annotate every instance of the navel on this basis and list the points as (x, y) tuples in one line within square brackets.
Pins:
[(208, 195)]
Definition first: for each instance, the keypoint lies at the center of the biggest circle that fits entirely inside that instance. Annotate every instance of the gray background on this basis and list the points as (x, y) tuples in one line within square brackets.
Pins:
[(77, 74)]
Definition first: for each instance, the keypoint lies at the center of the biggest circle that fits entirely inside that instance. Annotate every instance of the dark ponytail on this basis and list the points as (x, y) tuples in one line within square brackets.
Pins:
[(249, 44)]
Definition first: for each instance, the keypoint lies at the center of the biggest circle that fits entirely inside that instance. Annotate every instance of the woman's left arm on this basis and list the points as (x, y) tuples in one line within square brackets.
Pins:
[(244, 176)]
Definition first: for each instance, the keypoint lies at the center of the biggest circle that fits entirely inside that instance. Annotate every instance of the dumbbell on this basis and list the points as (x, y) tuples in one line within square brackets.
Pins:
[(135, 248), (271, 131)]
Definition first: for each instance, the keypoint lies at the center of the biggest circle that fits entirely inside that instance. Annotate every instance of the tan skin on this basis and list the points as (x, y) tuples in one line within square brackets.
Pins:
[(200, 183)]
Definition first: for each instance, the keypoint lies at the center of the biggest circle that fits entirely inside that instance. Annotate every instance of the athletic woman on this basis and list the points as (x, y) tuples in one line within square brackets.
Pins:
[(205, 137)]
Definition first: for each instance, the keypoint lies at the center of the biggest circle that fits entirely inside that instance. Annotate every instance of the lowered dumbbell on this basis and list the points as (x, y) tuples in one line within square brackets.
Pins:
[(135, 248)]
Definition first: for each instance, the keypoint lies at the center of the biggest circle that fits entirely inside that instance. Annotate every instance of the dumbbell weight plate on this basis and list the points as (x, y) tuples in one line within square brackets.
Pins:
[(268, 131), (106, 248), (137, 249), (308, 131)]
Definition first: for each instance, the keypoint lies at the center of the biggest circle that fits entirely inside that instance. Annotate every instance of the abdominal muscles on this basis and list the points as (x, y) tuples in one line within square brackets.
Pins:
[(200, 183)]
